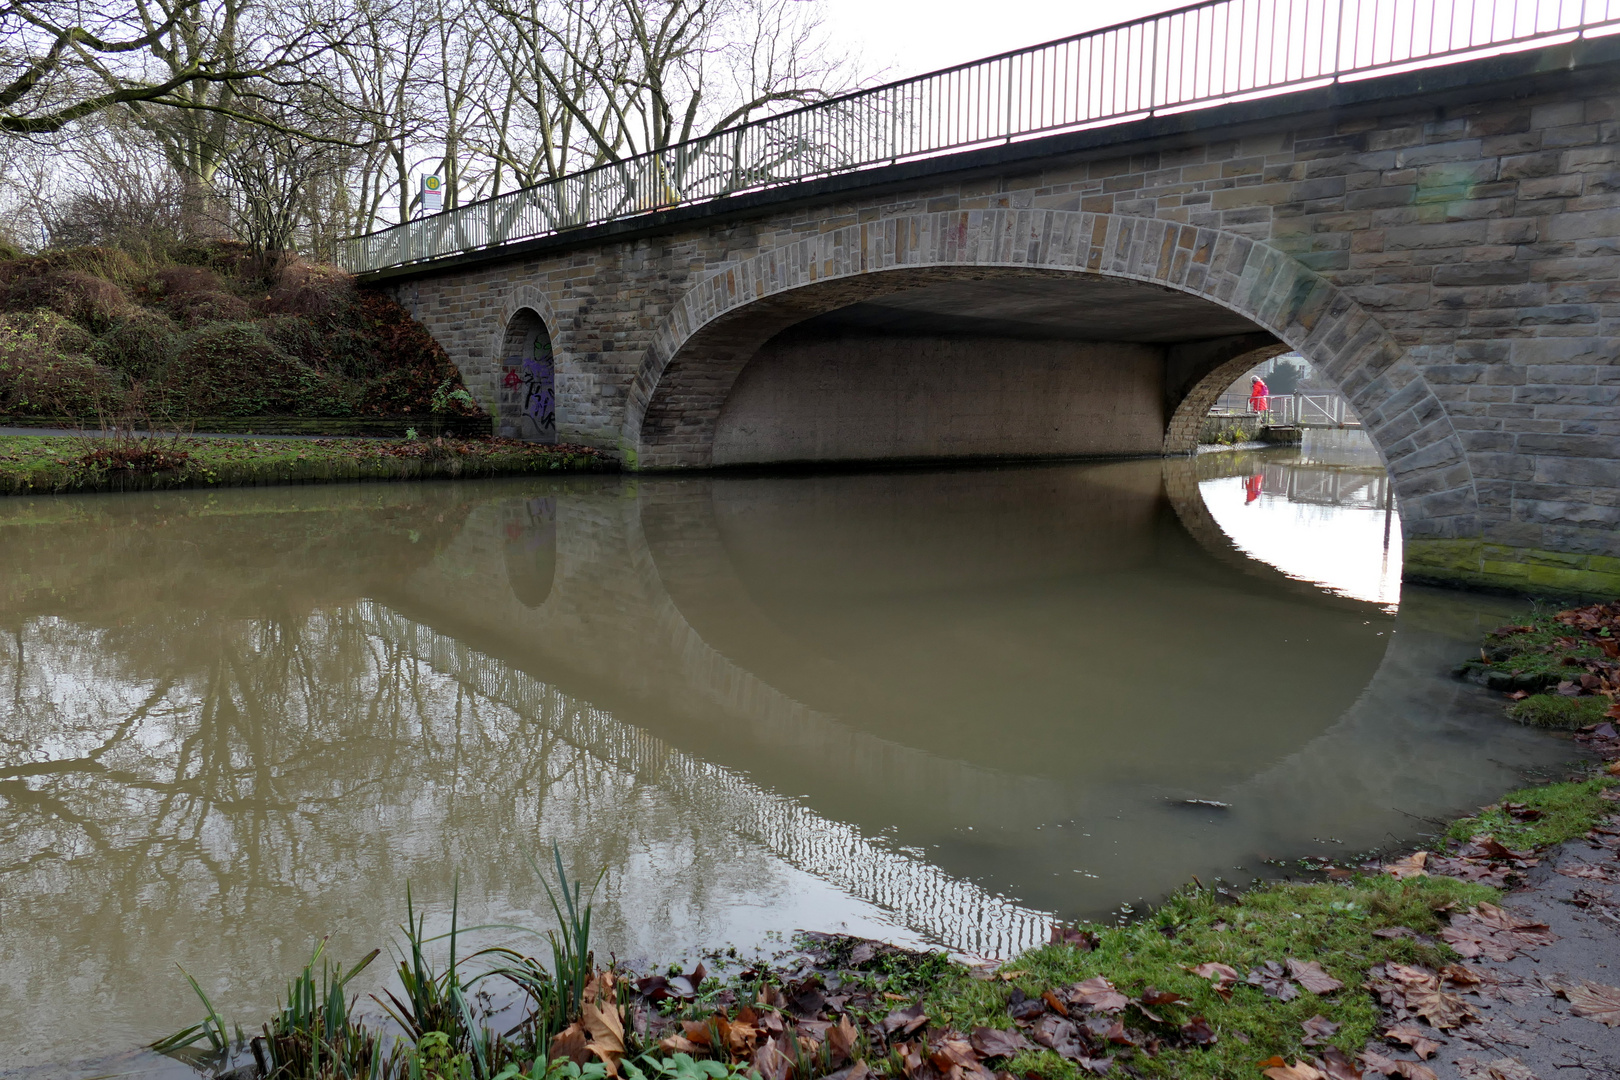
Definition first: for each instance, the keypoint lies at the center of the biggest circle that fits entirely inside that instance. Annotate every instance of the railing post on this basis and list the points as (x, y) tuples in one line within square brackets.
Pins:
[(1153, 69)]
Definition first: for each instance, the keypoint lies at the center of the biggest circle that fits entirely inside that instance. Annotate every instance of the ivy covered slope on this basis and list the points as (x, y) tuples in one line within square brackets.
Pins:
[(201, 333)]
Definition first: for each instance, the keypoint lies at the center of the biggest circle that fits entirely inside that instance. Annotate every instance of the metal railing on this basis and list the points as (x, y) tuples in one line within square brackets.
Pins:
[(1286, 410), (1194, 56), (1366, 489)]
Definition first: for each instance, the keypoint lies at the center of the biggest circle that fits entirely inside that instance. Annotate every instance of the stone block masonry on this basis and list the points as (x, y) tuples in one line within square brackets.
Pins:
[(1444, 246)]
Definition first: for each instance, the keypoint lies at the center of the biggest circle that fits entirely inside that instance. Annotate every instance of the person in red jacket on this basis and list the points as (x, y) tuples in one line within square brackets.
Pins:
[(1257, 395)]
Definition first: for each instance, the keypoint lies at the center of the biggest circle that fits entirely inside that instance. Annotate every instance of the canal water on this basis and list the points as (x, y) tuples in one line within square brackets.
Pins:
[(938, 706)]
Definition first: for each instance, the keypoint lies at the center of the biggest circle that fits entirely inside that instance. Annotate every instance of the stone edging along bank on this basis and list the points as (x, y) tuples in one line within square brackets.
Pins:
[(41, 465)]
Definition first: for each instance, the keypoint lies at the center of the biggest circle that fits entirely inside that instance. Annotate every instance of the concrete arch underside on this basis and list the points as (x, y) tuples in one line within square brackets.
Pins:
[(702, 347)]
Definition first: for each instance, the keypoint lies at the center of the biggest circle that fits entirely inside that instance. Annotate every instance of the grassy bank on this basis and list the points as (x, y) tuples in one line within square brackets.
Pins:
[(1290, 980), (36, 465), (1560, 669)]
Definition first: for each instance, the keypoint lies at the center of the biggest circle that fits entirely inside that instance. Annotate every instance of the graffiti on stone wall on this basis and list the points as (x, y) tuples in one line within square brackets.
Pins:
[(534, 379)]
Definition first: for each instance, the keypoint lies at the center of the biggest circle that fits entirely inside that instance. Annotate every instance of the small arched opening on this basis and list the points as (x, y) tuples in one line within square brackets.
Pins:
[(1287, 475), (528, 387)]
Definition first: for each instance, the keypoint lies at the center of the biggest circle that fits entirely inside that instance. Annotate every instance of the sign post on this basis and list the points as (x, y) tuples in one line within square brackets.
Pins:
[(432, 194)]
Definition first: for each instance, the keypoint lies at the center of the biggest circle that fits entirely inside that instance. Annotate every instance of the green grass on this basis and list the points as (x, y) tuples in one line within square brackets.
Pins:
[(1559, 712), (1331, 923), (1531, 653), (1568, 810), (42, 464)]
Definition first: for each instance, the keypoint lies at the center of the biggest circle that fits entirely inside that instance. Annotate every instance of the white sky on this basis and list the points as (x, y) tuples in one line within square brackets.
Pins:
[(910, 37), (1339, 547)]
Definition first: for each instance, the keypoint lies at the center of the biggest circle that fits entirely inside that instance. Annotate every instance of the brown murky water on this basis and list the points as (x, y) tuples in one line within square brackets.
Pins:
[(934, 705)]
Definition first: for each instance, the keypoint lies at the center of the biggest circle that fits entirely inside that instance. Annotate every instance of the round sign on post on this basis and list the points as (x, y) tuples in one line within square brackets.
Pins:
[(432, 195)]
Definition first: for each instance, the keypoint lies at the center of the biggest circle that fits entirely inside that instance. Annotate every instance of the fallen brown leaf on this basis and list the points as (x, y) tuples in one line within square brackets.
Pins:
[(570, 1043), (1594, 1001), (1489, 931), (1020, 1007), (1273, 981), (1412, 990), (1155, 997), (1084, 940), (904, 1021), (1460, 975), (1337, 1066), (1420, 1044), (1318, 1029), (774, 1060), (1378, 1063), (857, 1071), (1495, 875), (1409, 867), (1060, 1036), (955, 1059), (1099, 994), (1439, 1007), (1222, 976), (993, 1042), (606, 1029), (1309, 974), (1500, 1069), (1198, 1032), (841, 1039), (1277, 1069)]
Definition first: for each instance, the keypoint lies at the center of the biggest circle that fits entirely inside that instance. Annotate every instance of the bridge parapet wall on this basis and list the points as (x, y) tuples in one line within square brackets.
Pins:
[(1464, 256)]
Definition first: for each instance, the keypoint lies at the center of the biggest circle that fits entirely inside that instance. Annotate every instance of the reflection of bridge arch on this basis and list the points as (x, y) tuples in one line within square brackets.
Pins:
[(623, 628), (945, 909), (719, 324)]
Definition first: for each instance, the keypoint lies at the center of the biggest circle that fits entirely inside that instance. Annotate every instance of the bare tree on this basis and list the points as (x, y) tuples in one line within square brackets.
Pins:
[(593, 81), (388, 70), (64, 61), (558, 82), (273, 179), (124, 196), (288, 47)]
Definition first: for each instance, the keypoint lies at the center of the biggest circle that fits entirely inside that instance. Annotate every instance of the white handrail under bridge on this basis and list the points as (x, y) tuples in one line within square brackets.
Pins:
[(1289, 410), (1194, 56)]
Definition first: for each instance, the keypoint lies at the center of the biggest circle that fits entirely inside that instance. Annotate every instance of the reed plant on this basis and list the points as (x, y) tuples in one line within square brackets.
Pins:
[(429, 999), (316, 1033), (210, 1029)]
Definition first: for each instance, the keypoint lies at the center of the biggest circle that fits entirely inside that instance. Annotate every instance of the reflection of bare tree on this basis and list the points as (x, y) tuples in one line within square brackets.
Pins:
[(303, 763), (197, 724)]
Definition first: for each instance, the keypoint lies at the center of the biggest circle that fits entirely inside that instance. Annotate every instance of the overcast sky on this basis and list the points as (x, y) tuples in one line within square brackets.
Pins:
[(910, 37)]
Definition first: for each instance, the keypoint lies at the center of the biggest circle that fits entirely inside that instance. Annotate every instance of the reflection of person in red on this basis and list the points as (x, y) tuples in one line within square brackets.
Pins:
[(1252, 489), (1257, 395)]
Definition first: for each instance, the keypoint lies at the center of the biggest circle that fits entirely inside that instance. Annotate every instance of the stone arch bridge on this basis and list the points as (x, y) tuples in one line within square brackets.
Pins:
[(1443, 244)]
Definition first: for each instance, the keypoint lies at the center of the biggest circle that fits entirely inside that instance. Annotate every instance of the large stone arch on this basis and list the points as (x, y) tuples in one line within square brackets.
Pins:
[(711, 333)]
